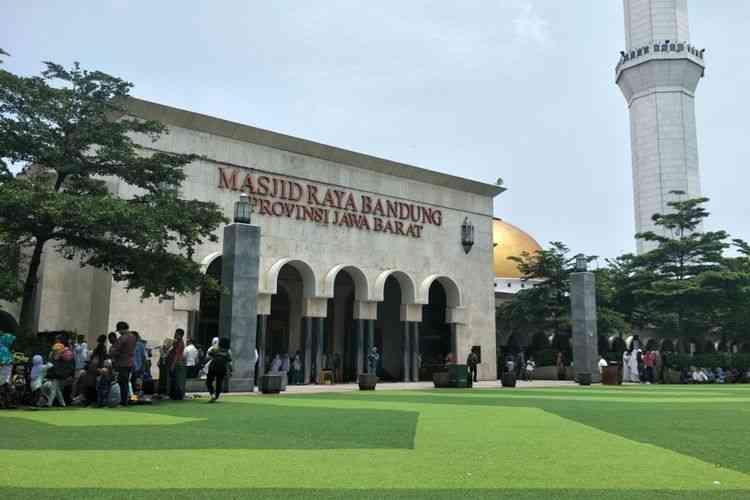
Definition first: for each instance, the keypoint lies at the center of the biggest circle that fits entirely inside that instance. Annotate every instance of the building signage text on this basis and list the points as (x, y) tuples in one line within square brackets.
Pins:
[(280, 197)]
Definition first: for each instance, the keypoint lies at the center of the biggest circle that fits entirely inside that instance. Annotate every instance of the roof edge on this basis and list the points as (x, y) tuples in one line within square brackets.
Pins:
[(232, 130)]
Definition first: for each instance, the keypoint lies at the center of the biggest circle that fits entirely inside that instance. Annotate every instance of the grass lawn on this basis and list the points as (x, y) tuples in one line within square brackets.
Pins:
[(579, 443)]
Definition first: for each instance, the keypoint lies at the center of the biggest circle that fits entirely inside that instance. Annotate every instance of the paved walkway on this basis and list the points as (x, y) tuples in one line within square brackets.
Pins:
[(405, 386)]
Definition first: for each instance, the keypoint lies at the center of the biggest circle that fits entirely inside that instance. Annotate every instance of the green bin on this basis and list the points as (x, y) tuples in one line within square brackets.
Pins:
[(458, 376)]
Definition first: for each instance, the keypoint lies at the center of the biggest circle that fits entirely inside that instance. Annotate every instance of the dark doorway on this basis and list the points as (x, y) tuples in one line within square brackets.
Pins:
[(208, 314), (434, 332), (388, 332), (339, 328)]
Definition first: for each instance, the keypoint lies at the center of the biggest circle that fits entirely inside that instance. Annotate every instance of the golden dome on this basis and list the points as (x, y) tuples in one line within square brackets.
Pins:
[(510, 242)]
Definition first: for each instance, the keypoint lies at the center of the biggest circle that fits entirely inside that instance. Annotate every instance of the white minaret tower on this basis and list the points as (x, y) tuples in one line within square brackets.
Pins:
[(658, 73)]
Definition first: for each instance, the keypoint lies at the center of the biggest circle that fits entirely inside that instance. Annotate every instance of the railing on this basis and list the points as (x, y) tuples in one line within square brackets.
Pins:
[(658, 47)]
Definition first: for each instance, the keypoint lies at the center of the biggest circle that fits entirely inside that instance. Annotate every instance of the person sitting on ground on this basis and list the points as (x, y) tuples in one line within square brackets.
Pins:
[(710, 377), (276, 364), (720, 375), (530, 367), (108, 390), (221, 367)]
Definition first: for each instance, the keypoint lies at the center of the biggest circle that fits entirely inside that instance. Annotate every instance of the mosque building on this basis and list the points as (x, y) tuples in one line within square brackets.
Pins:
[(348, 241)]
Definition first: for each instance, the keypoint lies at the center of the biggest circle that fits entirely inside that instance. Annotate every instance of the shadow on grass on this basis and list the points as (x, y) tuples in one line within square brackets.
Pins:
[(226, 426), (715, 433), (294, 494)]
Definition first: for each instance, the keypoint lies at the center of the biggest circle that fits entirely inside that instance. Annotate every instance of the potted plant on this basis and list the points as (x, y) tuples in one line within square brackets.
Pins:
[(368, 381)]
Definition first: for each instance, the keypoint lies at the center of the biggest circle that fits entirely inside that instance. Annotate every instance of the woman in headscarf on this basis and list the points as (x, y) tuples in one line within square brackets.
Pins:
[(100, 352)]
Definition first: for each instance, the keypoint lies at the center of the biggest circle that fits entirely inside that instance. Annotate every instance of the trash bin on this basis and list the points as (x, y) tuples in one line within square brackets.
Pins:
[(458, 376), (508, 379), (611, 375)]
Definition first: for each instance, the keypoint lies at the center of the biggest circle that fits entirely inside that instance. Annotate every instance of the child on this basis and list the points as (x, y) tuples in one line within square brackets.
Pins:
[(104, 384), (221, 366)]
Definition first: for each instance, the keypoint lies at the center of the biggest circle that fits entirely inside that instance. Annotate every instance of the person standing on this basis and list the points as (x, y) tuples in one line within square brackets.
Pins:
[(122, 358), (530, 367), (472, 361), (221, 366), (177, 366), (139, 365), (560, 363), (191, 359)]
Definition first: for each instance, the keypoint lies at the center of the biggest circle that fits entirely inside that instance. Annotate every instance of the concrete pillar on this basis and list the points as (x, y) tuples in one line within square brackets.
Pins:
[(319, 342), (454, 341), (370, 338), (583, 321), (415, 352), (359, 346), (307, 346), (237, 311), (405, 353), (261, 345)]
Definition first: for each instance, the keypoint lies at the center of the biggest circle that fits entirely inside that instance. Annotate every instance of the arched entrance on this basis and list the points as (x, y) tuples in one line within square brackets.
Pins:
[(8, 323), (388, 332), (434, 332), (283, 333), (340, 345), (208, 312)]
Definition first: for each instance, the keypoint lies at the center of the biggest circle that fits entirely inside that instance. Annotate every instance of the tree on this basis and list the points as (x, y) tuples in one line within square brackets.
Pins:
[(683, 279), (545, 307), (69, 132)]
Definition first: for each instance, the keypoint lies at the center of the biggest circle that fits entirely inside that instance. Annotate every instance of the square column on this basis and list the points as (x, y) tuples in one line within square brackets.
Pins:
[(405, 353), (359, 346), (307, 347), (370, 338), (237, 311), (583, 319), (319, 341), (261, 344), (415, 352)]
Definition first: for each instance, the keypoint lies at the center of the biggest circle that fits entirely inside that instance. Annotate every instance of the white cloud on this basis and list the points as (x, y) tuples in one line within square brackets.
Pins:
[(530, 26)]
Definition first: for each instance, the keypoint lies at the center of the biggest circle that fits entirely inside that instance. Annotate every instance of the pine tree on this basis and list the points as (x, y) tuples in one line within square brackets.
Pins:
[(68, 132)]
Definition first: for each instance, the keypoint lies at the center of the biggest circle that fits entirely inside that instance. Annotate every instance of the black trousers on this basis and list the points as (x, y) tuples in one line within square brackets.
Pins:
[(473, 372), (123, 377), (219, 378)]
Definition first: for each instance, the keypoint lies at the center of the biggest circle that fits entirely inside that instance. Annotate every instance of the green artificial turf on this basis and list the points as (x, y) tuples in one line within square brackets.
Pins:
[(621, 442)]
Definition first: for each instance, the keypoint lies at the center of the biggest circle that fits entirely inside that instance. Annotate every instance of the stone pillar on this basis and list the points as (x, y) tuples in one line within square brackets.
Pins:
[(415, 352), (237, 311), (261, 344), (583, 319), (359, 346), (319, 342), (454, 341), (370, 339), (405, 353), (307, 348)]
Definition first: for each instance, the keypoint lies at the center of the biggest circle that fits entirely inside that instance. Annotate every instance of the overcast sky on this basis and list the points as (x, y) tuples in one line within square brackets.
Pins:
[(522, 90)]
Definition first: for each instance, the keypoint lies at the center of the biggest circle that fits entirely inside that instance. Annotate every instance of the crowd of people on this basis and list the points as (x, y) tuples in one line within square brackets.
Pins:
[(116, 372)]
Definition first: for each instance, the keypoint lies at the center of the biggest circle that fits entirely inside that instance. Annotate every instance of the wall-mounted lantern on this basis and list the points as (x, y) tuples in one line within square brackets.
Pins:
[(581, 263), (242, 209), (467, 235)]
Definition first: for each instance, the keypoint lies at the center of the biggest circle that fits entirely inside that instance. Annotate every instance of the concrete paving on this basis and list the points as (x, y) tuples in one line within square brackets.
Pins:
[(404, 386)]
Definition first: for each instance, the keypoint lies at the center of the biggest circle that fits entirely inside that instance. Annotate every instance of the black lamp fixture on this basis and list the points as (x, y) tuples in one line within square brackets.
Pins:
[(467, 235), (581, 263), (242, 210)]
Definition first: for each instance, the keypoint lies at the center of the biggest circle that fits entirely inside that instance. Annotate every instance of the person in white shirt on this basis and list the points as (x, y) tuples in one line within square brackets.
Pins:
[(602, 363), (191, 359)]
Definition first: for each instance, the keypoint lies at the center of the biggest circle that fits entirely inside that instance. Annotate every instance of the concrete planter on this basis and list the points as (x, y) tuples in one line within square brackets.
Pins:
[(367, 382), (270, 384), (508, 380), (583, 378), (440, 379)]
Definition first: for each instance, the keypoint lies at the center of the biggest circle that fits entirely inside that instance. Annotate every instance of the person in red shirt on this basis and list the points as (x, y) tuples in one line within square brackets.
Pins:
[(649, 360), (122, 359)]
